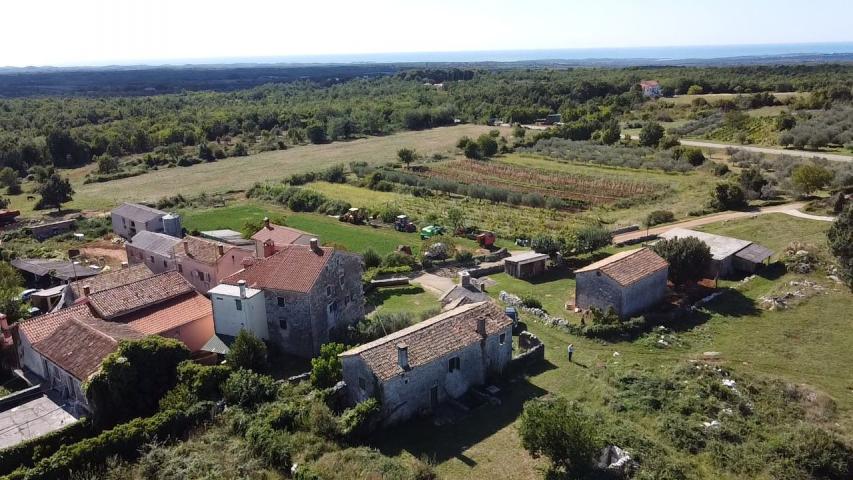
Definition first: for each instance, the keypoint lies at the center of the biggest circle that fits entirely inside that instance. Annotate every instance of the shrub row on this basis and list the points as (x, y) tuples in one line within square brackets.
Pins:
[(298, 199), (25, 454)]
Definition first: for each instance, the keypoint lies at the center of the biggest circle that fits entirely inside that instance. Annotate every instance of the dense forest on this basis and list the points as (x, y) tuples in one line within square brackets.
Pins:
[(67, 131)]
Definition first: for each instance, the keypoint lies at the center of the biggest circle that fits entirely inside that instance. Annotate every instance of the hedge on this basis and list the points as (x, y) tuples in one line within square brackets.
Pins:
[(123, 441), (26, 454)]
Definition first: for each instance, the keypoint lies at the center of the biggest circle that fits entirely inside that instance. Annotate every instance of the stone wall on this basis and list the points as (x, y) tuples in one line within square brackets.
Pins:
[(533, 355), (592, 289)]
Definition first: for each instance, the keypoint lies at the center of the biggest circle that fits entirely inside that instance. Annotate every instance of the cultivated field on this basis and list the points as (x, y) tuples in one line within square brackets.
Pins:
[(239, 173), (714, 97)]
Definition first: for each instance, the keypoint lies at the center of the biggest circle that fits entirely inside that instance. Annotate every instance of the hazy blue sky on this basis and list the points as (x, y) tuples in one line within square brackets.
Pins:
[(74, 32)]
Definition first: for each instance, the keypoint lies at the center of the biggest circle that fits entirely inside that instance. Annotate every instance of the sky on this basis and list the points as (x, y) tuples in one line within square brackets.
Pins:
[(102, 32)]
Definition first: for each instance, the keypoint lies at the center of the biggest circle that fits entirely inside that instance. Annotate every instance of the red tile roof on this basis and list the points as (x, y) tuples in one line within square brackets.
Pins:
[(431, 339), (629, 266), (111, 279), (280, 235), (42, 326), (124, 299), (295, 268), (80, 347), (170, 314), (202, 250)]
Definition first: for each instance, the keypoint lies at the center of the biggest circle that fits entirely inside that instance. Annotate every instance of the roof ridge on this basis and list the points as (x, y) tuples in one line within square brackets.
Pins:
[(412, 328)]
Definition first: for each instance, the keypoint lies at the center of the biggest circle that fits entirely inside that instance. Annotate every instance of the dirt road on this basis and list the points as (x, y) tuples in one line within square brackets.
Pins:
[(792, 209)]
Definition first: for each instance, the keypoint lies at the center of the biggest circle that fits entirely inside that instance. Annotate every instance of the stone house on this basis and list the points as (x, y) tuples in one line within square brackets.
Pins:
[(417, 368), (525, 265), (630, 282), (155, 250), (271, 238), (60, 350), (651, 88), (110, 279), (312, 294), (128, 219), (46, 230), (728, 254), (204, 263)]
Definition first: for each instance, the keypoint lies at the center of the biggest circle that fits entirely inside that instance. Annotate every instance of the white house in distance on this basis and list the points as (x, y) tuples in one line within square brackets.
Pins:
[(651, 88), (128, 219), (238, 307)]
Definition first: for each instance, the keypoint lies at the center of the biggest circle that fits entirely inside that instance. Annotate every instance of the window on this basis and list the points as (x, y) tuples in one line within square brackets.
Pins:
[(454, 364), (164, 264), (280, 301), (152, 258), (362, 384), (332, 309), (282, 323), (239, 304), (502, 338)]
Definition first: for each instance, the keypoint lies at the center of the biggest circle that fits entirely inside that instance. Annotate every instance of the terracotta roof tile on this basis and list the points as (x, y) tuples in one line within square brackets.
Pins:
[(80, 346), (295, 268), (42, 326), (202, 249), (281, 235), (431, 339), (170, 314), (629, 266), (124, 299), (112, 279)]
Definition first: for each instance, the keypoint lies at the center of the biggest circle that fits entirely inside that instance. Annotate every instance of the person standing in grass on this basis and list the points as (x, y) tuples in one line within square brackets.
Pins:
[(571, 350)]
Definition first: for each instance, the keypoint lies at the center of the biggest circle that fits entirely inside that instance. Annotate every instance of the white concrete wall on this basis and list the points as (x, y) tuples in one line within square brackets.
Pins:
[(229, 321)]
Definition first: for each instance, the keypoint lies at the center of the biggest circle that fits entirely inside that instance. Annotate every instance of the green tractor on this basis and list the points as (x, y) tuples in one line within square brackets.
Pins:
[(431, 230)]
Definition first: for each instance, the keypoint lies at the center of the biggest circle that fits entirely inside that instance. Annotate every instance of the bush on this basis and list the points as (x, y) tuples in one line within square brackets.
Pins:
[(562, 431), (326, 369), (658, 217), (399, 259), (360, 420), (380, 324), (464, 257), (248, 352), (688, 258), (371, 259), (530, 301), (245, 388), (27, 453), (727, 196), (334, 207), (305, 200), (363, 462)]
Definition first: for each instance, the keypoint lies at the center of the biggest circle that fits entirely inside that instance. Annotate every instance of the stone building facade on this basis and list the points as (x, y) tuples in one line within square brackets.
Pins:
[(414, 370)]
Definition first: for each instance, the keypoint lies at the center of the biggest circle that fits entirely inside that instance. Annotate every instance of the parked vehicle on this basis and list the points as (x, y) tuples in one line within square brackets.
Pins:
[(431, 230), (486, 239), (402, 224), (354, 216)]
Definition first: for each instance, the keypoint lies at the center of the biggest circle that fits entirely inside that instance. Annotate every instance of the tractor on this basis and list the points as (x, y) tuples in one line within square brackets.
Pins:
[(431, 230), (353, 216), (402, 224), (486, 239)]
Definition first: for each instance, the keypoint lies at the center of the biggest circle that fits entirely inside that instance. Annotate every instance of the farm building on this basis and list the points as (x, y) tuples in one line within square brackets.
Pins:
[(525, 265), (728, 254), (419, 367), (271, 238), (629, 282), (62, 349), (651, 88), (46, 230), (128, 219), (311, 295), (467, 291), (46, 272), (155, 250)]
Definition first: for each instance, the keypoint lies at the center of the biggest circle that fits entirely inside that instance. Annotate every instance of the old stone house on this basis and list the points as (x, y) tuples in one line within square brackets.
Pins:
[(311, 294), (629, 282), (417, 368), (526, 265), (155, 250), (271, 238), (204, 263), (60, 350)]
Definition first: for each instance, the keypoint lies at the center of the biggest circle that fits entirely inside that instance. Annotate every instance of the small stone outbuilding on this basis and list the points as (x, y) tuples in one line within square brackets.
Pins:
[(525, 265), (728, 254), (629, 282)]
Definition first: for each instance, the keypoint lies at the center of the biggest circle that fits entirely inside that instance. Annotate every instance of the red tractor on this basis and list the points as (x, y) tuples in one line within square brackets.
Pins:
[(486, 239)]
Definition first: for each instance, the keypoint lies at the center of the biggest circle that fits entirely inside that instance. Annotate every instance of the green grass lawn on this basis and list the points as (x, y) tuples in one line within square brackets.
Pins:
[(773, 230), (412, 299), (553, 289)]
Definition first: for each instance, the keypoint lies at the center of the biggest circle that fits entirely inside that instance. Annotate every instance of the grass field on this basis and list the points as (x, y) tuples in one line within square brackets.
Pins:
[(414, 300), (807, 345), (712, 97), (240, 173)]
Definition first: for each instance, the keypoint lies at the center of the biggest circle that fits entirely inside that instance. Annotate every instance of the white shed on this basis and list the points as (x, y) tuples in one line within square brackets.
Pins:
[(237, 307)]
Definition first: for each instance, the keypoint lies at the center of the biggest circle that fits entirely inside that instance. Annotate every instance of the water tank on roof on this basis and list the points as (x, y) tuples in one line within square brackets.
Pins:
[(172, 225)]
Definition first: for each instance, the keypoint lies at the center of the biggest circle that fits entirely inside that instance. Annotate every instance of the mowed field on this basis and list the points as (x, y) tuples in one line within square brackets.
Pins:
[(239, 173), (713, 97)]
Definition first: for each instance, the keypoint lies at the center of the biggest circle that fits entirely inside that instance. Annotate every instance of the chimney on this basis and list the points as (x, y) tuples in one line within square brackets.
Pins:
[(403, 355), (269, 248), (242, 285), (465, 278), (315, 245), (86, 290), (267, 223), (481, 326), (220, 249), (186, 247), (123, 264), (248, 262)]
